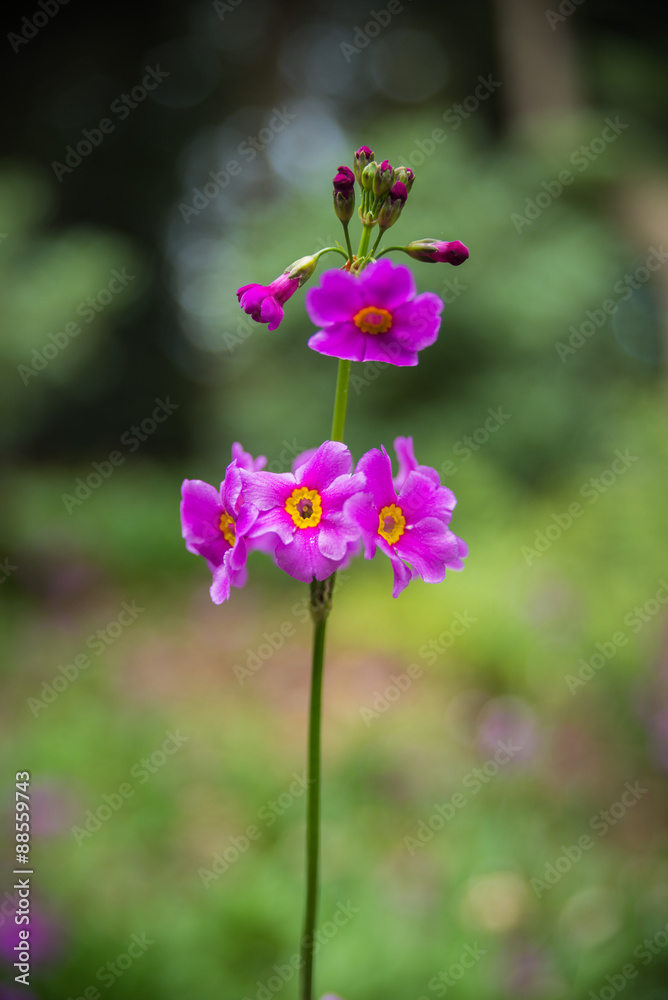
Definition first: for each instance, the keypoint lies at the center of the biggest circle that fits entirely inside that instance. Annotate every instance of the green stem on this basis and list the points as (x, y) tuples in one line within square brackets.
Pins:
[(364, 242), (379, 238), (387, 249), (348, 243), (321, 599), (332, 250), (340, 401)]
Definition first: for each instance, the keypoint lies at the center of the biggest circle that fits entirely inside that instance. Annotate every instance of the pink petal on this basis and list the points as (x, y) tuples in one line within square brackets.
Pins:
[(387, 285)]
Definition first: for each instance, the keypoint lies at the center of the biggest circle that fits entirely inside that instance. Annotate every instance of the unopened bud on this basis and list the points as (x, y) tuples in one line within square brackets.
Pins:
[(406, 176), (438, 251), (362, 156), (368, 175), (382, 181), (302, 269), (392, 206)]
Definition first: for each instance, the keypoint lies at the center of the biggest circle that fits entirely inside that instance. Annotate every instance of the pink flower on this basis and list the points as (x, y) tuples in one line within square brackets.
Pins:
[(265, 302), (375, 316), (305, 510), (411, 526), (215, 523)]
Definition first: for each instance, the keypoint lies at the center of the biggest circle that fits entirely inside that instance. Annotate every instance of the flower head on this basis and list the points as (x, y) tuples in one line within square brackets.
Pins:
[(215, 523), (375, 316), (438, 251), (305, 509), (410, 527), (265, 302)]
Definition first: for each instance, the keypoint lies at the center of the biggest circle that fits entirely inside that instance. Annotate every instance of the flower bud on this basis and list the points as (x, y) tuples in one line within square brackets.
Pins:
[(391, 208), (344, 181), (406, 176), (362, 156), (382, 181), (438, 251), (344, 194), (301, 269), (368, 175)]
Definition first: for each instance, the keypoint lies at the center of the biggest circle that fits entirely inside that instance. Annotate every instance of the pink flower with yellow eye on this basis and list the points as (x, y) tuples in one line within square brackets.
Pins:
[(373, 316), (409, 526)]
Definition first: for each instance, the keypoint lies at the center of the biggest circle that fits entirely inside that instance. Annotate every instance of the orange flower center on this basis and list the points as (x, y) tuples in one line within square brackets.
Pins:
[(227, 527), (304, 507), (372, 319), (391, 523)]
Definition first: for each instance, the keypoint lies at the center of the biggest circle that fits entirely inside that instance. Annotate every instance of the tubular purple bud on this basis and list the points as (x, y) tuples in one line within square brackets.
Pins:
[(382, 181), (438, 251), (362, 156), (344, 181), (301, 269), (406, 176), (391, 208)]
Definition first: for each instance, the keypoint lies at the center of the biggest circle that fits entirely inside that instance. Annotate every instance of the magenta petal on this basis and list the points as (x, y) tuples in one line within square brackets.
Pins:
[(403, 575), (342, 340), (429, 547), (375, 465), (362, 510), (245, 460), (268, 489), (276, 521), (420, 498), (331, 460), (302, 558), (416, 324), (388, 349), (201, 508), (387, 285), (271, 313), (337, 298)]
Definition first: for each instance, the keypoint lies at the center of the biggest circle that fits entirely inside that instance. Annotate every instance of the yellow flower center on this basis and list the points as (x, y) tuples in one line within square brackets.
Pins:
[(391, 523), (227, 527), (372, 319), (304, 507)]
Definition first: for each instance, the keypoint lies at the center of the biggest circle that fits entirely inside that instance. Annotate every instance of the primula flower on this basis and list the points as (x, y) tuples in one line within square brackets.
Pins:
[(215, 523), (305, 510), (265, 302), (375, 316), (409, 527)]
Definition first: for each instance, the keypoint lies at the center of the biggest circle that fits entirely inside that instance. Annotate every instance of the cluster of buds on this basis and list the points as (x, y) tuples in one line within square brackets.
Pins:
[(384, 191), (384, 188)]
